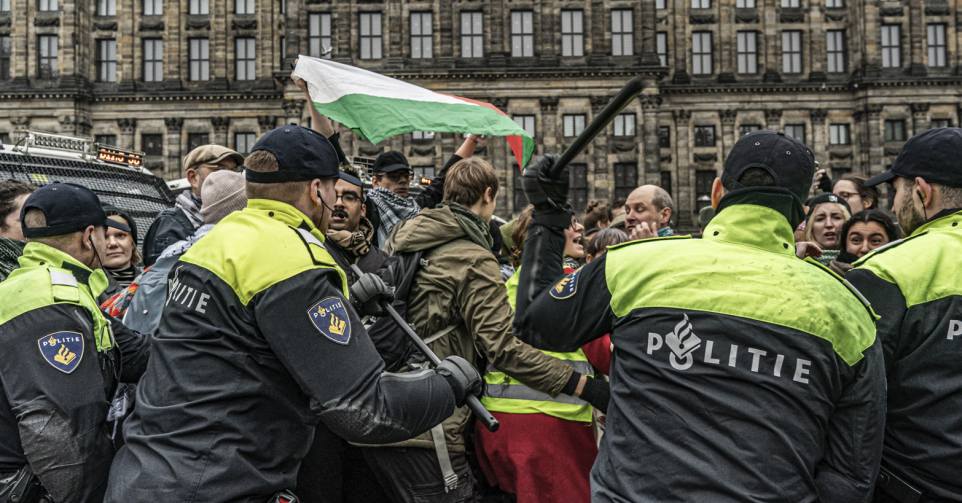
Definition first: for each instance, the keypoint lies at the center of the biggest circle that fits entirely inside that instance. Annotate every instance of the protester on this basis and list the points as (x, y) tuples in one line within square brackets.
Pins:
[(915, 287), (618, 222), (864, 232), (853, 190), (60, 357), (12, 195), (649, 212), (123, 259), (823, 225), (351, 235), (177, 223), (618, 207), (458, 289), (600, 243), (259, 346), (597, 217), (739, 372), (704, 218)]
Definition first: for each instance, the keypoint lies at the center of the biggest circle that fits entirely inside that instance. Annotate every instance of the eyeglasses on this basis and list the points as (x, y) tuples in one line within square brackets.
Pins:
[(348, 198), (396, 176)]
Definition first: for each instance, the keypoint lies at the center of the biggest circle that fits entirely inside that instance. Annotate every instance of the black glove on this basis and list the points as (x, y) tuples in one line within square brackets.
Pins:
[(825, 183), (368, 292), (462, 376), (596, 391), (547, 191)]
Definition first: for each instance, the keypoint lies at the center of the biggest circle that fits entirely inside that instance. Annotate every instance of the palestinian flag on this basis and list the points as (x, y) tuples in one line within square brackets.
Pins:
[(377, 107)]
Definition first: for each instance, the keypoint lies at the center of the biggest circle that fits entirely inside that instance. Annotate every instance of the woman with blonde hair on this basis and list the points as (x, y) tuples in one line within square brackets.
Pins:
[(827, 213)]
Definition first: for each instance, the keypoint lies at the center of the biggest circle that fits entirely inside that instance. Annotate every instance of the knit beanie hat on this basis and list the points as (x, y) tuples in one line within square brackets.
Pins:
[(223, 192)]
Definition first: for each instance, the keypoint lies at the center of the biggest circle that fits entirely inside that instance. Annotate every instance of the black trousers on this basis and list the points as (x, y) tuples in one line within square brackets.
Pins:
[(334, 471), (413, 475)]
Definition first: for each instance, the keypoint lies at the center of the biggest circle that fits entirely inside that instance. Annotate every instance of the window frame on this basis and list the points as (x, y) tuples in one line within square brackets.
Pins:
[(626, 178), (625, 38), (48, 5), (573, 40), (890, 130), (315, 34), (703, 181), (472, 44), (935, 50), (745, 54), (522, 40), (106, 8), (144, 141), (6, 57), (792, 49), (4, 5), (422, 45), (701, 4), (932, 125), (835, 56), (52, 69), (834, 4), (664, 140), (624, 124), (203, 64), (245, 65), (106, 139), (744, 129), (249, 139), (578, 186), (375, 36), (891, 48), (706, 141), (523, 122), (839, 134), (244, 7), (199, 8), (577, 123), (423, 135), (794, 133), (155, 66), (156, 7), (661, 47), (790, 4), (190, 140), (701, 57), (744, 4)]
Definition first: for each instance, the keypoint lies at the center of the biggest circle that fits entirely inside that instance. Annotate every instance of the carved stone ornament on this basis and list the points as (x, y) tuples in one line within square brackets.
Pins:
[(174, 124), (663, 20), (238, 24), (315, 2), (840, 155), (873, 109), (548, 103), (702, 18), (127, 126), (728, 116), (773, 115), (891, 11), (105, 25), (197, 25), (500, 103), (818, 116), (424, 150), (20, 123), (42, 22), (666, 159), (746, 16), (836, 17), (68, 123), (266, 122), (151, 26), (599, 102), (293, 108), (6, 21), (791, 16), (937, 10), (892, 151), (369, 150), (712, 157), (651, 101), (220, 123), (154, 165), (624, 147), (682, 115), (920, 107)]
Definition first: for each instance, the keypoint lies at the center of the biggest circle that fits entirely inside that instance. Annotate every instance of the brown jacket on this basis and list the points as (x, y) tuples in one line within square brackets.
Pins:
[(462, 283)]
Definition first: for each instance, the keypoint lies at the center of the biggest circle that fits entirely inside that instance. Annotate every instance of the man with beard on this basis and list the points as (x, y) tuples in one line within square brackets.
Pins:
[(916, 286), (351, 234)]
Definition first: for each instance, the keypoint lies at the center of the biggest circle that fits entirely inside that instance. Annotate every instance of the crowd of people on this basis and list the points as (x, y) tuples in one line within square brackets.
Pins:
[(245, 352)]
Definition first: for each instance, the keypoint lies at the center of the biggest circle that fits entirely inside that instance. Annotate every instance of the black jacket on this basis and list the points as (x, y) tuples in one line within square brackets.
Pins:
[(170, 226), (739, 373), (916, 286)]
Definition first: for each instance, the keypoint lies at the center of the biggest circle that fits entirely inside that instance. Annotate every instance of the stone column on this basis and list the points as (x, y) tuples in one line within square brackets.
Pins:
[(127, 128), (816, 47), (649, 18), (920, 118), (917, 34), (173, 167), (292, 32), (773, 67), (68, 125), (726, 42), (773, 119), (680, 47), (549, 130), (729, 138), (685, 204), (873, 126), (293, 110), (867, 29), (819, 144), (221, 125), (495, 30), (650, 149), (603, 175)]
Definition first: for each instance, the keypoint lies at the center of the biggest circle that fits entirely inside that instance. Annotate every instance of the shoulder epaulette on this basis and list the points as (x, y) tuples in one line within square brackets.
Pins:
[(649, 240), (886, 247)]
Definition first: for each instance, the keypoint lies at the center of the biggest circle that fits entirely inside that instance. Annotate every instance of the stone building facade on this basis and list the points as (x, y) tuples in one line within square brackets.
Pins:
[(854, 78)]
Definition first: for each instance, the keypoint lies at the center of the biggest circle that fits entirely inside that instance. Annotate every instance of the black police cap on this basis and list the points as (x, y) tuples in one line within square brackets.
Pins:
[(788, 160), (389, 161), (827, 197), (68, 208), (302, 154), (934, 155)]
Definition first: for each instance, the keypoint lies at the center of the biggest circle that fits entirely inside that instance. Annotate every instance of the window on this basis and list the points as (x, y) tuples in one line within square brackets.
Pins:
[(244, 142), (319, 35), (747, 52), (573, 125), (626, 178), (283, 7), (936, 42), (701, 4), (578, 186), (622, 37), (704, 136), (198, 6), (625, 125), (423, 172), (666, 181), (421, 41), (661, 47), (838, 134), (894, 130), (153, 7), (664, 137), (834, 4), (153, 60), (283, 50), (242, 6), (5, 57), (790, 3), (703, 183), (107, 60), (527, 123), (199, 59), (244, 58), (422, 135), (701, 53), (796, 131), (47, 64), (370, 35), (745, 4), (472, 34), (107, 7), (891, 49), (791, 52), (940, 123), (522, 34), (48, 5), (195, 140), (5, 138), (152, 144), (660, 4), (4, 7), (747, 128), (836, 51), (106, 139), (572, 33)]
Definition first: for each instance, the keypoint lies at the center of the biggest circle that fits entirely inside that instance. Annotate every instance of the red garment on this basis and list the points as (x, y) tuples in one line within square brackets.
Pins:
[(598, 352), (538, 457)]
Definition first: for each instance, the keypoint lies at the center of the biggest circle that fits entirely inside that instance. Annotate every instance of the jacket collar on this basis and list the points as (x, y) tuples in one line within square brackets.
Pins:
[(40, 255), (284, 213), (945, 222), (753, 226)]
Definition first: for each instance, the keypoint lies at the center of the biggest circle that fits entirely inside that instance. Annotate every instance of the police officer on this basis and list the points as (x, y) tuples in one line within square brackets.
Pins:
[(60, 356), (258, 345), (740, 373), (916, 286)]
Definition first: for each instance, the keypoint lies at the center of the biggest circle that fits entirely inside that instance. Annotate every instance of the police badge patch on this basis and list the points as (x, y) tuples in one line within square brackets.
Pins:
[(62, 350), (330, 318), (567, 286)]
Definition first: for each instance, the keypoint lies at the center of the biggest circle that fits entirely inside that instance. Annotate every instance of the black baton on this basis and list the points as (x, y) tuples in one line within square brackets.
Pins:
[(472, 401)]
